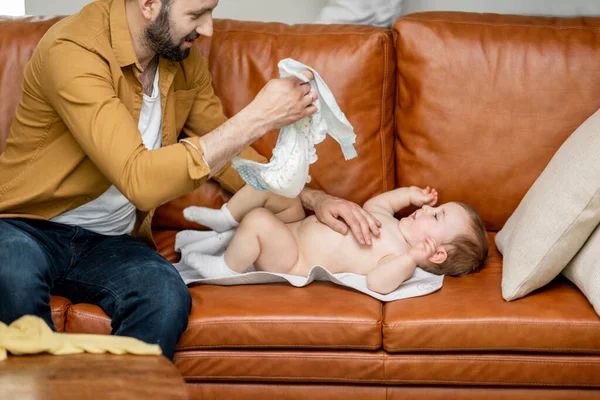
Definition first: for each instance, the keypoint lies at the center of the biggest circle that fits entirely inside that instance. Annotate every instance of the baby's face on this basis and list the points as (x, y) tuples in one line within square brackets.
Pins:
[(442, 223)]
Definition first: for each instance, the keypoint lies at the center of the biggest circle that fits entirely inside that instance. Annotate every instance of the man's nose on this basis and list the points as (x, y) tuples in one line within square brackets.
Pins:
[(206, 29)]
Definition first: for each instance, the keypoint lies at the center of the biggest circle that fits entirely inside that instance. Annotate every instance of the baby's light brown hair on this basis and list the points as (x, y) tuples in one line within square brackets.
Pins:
[(466, 252)]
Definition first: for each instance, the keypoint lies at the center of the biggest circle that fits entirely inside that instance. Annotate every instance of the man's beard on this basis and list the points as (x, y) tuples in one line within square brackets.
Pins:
[(157, 36)]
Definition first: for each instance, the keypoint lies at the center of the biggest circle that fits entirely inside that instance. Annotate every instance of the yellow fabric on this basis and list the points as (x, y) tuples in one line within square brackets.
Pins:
[(31, 335), (75, 128)]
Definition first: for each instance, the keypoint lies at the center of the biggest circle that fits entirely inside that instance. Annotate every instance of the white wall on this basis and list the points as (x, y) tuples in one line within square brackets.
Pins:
[(53, 7), (304, 11), (287, 11), (12, 7)]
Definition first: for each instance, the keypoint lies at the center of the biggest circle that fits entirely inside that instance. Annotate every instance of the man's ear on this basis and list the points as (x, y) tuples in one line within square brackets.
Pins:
[(149, 7), (439, 256)]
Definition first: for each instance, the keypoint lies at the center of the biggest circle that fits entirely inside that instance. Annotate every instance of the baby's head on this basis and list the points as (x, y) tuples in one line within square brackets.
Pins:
[(458, 232)]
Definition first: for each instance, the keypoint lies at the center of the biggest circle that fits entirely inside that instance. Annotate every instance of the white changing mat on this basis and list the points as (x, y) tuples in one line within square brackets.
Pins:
[(421, 283)]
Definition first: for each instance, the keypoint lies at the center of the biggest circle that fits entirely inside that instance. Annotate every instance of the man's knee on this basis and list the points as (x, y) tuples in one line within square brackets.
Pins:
[(166, 291), (23, 263), (24, 277), (177, 297), (156, 308)]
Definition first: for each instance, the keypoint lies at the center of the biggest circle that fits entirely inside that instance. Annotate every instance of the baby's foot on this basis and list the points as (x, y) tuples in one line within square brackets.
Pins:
[(219, 220), (209, 267)]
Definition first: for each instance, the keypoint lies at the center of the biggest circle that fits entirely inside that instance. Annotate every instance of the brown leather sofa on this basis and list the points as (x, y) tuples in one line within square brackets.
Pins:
[(474, 105)]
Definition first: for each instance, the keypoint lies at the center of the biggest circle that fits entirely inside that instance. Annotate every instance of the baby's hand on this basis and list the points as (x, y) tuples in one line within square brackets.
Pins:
[(420, 197), (422, 251)]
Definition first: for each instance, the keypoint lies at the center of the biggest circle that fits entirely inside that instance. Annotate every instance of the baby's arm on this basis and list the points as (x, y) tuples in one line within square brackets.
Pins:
[(394, 269), (397, 199), (390, 273)]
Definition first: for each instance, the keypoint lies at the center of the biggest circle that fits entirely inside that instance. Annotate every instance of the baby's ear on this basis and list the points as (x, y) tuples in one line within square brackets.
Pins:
[(439, 256)]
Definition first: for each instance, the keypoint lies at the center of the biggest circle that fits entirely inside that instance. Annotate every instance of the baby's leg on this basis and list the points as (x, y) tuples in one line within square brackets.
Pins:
[(262, 239), (243, 202), (248, 199)]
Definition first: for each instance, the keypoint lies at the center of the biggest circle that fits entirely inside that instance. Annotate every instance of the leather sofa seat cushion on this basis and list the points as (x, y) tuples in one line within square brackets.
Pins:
[(60, 307), (320, 316), (469, 314)]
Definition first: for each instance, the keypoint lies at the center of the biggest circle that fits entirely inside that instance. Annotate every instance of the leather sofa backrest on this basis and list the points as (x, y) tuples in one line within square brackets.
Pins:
[(358, 65), (484, 101), (356, 62)]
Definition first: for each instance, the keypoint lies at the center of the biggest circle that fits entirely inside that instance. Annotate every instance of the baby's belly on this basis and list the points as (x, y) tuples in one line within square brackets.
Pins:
[(320, 245)]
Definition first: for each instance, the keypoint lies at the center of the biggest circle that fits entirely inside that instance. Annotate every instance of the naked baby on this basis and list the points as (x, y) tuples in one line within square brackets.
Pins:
[(274, 235)]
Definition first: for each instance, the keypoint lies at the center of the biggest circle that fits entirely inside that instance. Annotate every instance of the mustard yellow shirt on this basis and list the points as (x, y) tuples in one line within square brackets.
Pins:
[(75, 129)]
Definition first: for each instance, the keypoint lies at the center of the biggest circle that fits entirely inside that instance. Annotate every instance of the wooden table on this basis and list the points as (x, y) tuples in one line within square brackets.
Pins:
[(90, 376)]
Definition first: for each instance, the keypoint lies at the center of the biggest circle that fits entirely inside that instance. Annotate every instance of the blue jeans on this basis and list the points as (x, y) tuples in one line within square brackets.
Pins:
[(140, 290)]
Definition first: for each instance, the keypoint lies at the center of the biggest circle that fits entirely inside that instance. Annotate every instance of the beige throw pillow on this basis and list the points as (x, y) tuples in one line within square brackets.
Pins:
[(556, 216), (584, 269)]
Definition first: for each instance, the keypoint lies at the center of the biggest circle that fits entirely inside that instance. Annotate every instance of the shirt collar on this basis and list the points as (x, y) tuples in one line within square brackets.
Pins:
[(120, 36)]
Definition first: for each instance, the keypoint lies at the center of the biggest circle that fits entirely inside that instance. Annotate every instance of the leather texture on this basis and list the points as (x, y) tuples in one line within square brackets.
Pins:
[(469, 314), (472, 104), (484, 101), (249, 391), (276, 316), (60, 308), (482, 369), (87, 318)]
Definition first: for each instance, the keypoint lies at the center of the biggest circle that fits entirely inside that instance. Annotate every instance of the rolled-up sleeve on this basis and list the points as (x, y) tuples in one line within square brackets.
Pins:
[(82, 93), (205, 116)]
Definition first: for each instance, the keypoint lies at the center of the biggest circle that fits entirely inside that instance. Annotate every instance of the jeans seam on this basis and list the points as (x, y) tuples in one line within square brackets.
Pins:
[(78, 233), (72, 262)]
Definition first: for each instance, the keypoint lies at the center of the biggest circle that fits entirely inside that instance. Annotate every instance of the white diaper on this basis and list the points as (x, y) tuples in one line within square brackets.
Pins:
[(287, 171)]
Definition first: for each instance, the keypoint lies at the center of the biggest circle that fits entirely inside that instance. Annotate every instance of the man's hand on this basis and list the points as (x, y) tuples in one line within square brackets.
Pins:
[(421, 252), (282, 102), (329, 210), (420, 197)]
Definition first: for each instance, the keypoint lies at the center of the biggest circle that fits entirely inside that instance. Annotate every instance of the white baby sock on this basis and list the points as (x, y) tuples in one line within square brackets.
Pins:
[(219, 220), (211, 245), (188, 236), (209, 266)]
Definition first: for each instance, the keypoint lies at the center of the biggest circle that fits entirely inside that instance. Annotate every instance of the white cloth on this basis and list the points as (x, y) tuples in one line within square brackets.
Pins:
[(367, 12), (112, 213), (287, 172), (421, 283)]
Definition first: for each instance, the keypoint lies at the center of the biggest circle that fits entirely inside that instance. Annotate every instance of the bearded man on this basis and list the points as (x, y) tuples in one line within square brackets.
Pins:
[(118, 116)]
